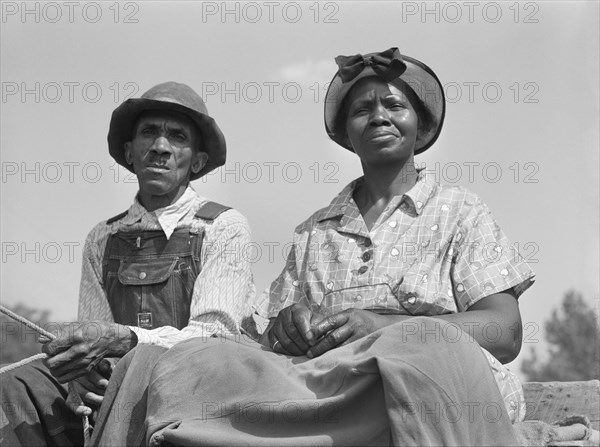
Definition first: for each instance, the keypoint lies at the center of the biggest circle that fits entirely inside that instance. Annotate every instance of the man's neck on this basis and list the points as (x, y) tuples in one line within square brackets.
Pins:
[(154, 202)]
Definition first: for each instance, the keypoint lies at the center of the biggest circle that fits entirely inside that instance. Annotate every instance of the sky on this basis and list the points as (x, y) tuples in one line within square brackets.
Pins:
[(521, 129)]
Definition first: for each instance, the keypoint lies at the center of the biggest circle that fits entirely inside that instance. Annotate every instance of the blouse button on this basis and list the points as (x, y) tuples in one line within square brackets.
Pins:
[(368, 243), (363, 269), (142, 275), (366, 256)]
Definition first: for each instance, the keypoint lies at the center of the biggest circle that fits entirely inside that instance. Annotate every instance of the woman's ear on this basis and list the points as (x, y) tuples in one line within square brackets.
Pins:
[(346, 140)]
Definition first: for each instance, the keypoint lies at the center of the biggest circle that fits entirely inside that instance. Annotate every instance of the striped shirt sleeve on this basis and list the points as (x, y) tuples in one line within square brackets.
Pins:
[(223, 290)]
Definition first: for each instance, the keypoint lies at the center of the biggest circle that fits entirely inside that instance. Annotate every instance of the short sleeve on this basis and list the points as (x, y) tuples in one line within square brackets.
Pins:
[(284, 291), (485, 261)]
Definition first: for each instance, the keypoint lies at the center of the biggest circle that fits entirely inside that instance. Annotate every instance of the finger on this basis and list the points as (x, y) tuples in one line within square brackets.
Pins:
[(301, 319), (74, 402), (73, 370), (79, 409), (92, 399), (86, 394), (332, 340), (280, 349), (70, 355), (289, 326), (43, 339), (66, 338), (105, 368), (285, 343), (94, 382), (328, 324), (61, 366)]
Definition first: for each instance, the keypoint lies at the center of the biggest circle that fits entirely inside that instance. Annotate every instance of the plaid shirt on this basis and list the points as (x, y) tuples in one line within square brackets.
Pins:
[(434, 250)]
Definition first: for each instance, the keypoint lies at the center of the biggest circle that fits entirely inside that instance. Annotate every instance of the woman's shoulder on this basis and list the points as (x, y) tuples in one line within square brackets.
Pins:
[(334, 210), (456, 197), (316, 218)]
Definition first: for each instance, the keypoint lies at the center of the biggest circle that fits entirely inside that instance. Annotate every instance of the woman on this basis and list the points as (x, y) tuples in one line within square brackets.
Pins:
[(353, 354), (393, 241)]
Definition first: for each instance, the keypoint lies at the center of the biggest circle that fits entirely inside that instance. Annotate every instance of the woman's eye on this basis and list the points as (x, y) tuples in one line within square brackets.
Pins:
[(360, 111)]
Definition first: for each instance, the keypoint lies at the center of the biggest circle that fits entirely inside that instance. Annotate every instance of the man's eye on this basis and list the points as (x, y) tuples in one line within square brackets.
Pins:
[(179, 137), (147, 131)]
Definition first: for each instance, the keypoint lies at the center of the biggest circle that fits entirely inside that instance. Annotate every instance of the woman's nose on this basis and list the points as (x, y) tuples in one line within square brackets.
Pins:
[(379, 116)]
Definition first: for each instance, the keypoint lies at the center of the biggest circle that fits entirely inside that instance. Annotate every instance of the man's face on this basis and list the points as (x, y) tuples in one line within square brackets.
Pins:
[(164, 153)]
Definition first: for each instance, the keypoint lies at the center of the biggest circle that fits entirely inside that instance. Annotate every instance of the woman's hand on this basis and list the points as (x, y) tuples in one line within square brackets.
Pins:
[(290, 333), (343, 328)]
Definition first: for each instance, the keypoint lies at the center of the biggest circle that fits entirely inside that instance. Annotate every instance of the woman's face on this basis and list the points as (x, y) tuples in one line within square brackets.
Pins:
[(381, 124)]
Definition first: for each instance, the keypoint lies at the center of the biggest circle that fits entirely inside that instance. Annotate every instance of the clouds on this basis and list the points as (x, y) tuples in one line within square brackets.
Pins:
[(307, 72)]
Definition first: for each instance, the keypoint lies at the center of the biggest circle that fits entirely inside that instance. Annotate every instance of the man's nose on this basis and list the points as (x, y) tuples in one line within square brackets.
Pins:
[(161, 145)]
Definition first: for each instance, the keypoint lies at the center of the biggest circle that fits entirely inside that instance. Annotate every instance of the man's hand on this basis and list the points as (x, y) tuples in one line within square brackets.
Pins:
[(290, 333), (87, 392), (80, 346), (344, 327)]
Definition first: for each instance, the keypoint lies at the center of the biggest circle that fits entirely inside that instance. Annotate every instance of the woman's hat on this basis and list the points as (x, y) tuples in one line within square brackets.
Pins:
[(389, 66), (174, 97)]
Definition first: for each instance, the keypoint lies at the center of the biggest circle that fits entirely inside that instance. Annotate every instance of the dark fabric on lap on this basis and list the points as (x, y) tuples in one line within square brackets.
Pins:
[(34, 410), (403, 385), (120, 420)]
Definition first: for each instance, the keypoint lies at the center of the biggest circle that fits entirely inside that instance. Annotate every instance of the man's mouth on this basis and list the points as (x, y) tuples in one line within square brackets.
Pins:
[(156, 167)]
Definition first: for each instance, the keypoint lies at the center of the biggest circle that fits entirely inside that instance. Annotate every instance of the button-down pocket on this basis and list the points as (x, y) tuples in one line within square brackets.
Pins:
[(151, 271)]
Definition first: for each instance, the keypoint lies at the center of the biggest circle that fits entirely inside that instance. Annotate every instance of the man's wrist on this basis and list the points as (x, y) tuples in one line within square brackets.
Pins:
[(134, 339), (125, 339)]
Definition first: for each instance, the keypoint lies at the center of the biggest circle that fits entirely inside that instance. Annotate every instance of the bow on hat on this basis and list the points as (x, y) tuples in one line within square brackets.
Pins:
[(388, 65)]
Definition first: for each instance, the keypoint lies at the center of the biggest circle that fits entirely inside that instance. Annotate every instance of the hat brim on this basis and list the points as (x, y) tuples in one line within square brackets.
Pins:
[(125, 116), (419, 77)]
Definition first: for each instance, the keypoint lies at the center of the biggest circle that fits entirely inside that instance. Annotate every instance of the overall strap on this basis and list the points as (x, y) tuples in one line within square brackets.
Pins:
[(117, 217), (211, 210)]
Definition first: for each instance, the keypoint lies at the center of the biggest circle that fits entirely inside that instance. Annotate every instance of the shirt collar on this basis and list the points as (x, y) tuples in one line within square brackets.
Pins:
[(416, 198), (167, 217)]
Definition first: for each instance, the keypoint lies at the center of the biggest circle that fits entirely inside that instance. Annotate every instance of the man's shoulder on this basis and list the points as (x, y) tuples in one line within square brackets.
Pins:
[(217, 215), (99, 233)]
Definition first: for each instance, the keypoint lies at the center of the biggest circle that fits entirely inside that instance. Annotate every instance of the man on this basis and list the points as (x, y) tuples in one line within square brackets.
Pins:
[(161, 272)]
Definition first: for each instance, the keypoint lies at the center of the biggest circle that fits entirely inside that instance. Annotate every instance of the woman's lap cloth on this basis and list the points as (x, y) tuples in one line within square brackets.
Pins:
[(403, 385)]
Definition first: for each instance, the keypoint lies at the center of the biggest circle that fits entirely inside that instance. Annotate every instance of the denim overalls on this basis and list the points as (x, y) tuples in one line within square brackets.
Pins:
[(148, 279)]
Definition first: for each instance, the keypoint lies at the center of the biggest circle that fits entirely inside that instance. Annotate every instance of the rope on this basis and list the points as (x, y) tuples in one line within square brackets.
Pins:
[(40, 330), (16, 365), (87, 428)]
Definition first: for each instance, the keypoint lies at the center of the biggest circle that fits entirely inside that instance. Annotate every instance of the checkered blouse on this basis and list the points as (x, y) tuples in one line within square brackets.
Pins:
[(434, 250)]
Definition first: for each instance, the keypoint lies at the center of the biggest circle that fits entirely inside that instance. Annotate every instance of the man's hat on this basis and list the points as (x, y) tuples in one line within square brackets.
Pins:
[(392, 67), (174, 97)]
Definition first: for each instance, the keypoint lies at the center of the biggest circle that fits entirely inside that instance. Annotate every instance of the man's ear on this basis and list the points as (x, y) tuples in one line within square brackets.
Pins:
[(128, 156), (199, 161)]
